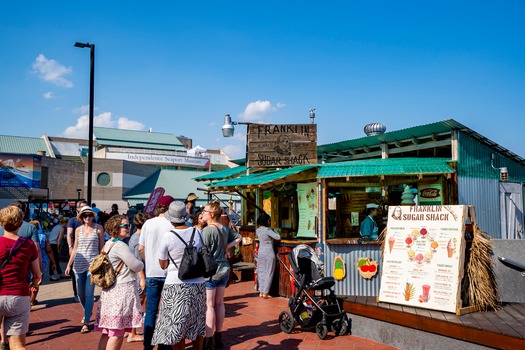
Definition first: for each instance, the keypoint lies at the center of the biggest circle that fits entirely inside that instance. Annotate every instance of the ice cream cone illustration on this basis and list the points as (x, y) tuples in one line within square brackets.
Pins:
[(391, 242), (339, 268), (450, 248)]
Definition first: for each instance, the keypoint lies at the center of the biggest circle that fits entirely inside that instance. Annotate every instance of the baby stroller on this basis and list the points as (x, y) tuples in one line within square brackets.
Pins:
[(314, 304)]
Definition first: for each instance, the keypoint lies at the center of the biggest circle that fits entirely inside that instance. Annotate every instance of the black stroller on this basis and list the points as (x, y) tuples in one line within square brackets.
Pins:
[(314, 304)]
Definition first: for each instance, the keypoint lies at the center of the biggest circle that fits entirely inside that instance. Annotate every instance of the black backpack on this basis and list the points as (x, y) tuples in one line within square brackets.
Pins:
[(195, 262)]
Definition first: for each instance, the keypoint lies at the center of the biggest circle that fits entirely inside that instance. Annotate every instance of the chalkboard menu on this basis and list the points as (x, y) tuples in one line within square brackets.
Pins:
[(423, 256)]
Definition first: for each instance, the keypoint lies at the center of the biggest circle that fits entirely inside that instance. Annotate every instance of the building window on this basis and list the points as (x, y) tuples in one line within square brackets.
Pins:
[(103, 179)]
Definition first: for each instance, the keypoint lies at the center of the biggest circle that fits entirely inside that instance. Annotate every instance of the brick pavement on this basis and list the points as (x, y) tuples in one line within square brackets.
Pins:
[(251, 323)]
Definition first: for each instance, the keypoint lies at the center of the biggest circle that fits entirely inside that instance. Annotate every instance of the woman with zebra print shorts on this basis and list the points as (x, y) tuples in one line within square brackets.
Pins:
[(182, 311)]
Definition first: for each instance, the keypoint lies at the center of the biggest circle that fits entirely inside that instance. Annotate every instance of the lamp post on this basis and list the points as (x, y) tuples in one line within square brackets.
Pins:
[(91, 96)]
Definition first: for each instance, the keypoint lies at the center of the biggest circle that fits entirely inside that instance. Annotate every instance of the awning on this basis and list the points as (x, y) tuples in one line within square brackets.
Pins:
[(268, 178), (388, 166), (223, 174)]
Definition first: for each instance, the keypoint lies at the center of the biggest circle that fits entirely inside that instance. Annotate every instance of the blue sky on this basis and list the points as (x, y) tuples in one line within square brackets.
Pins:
[(178, 67)]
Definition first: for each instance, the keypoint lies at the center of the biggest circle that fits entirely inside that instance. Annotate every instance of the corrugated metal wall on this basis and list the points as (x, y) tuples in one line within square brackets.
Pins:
[(474, 161), (478, 182), (353, 283), (483, 194)]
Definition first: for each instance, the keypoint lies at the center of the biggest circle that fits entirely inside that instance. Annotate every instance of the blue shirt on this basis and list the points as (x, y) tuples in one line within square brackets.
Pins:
[(26, 231), (369, 228)]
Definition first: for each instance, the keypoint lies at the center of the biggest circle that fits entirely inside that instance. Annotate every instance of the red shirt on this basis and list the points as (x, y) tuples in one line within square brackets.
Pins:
[(13, 277)]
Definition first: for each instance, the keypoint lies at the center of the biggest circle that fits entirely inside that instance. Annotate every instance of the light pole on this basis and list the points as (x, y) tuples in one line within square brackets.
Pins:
[(91, 96)]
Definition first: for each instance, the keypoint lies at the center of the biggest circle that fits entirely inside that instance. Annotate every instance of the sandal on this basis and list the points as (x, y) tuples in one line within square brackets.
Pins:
[(85, 329), (135, 339)]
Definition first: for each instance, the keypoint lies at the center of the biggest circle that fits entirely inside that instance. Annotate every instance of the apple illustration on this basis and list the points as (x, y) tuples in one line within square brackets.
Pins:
[(366, 267)]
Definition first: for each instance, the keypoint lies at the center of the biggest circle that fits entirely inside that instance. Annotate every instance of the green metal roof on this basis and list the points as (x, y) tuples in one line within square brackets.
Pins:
[(22, 145), (389, 166), (262, 177), (398, 135), (137, 139), (176, 183), (421, 131), (223, 174)]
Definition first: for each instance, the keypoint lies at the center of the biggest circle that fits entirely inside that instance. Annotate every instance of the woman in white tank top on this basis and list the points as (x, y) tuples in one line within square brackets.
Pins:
[(89, 240)]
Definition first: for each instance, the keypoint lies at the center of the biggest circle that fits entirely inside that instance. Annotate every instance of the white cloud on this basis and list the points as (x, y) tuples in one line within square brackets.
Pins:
[(51, 71), (259, 110), (125, 123), (49, 95), (256, 111), (105, 120)]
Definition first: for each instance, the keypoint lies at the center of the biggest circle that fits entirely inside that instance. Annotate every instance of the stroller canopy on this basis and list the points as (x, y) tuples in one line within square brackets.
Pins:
[(306, 262)]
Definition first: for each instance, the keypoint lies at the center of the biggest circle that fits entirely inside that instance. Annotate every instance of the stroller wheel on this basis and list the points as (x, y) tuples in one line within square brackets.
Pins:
[(321, 330), (286, 321), (340, 326)]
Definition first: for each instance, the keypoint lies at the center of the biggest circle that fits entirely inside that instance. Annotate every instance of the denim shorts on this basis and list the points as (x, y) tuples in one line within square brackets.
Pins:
[(211, 284)]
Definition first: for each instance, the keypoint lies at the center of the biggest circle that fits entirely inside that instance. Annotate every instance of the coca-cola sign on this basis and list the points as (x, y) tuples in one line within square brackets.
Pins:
[(429, 193)]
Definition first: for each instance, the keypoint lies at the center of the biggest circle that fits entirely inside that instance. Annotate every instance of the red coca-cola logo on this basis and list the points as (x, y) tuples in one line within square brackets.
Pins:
[(429, 193)]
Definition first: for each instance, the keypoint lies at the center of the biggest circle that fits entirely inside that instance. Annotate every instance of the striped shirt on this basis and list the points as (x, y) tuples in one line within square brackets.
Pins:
[(88, 248)]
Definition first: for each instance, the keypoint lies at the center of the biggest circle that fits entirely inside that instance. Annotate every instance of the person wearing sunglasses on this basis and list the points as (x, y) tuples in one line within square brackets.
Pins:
[(89, 239), (119, 310)]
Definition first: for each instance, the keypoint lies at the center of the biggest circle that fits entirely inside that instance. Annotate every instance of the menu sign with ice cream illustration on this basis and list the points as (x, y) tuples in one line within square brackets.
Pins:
[(307, 204), (423, 256)]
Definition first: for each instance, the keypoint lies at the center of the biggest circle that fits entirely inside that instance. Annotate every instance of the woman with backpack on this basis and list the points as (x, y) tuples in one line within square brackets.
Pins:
[(89, 239), (119, 309), (182, 311)]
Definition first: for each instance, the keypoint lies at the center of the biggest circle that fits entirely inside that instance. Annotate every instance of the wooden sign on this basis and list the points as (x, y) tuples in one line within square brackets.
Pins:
[(423, 256), (281, 145)]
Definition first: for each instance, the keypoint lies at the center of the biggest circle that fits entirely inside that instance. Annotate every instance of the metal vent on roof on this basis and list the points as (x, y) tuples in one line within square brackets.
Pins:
[(374, 129)]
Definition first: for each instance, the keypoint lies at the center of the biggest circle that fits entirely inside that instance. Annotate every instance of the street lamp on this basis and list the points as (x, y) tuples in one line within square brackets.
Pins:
[(91, 95), (228, 129)]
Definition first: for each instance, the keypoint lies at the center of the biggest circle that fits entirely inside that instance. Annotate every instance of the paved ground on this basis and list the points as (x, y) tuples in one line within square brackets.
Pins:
[(251, 323)]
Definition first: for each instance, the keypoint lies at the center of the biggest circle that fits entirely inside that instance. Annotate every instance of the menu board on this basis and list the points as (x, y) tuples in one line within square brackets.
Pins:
[(423, 256), (307, 204)]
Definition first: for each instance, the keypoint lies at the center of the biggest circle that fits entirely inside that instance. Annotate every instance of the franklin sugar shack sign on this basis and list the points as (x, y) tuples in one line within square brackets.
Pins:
[(281, 145)]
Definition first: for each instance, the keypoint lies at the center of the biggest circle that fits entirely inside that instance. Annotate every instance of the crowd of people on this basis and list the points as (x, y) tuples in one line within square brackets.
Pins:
[(147, 292)]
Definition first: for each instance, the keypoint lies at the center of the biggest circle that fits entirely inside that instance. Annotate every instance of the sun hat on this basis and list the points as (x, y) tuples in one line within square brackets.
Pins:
[(165, 200), (372, 206), (86, 209), (176, 213), (191, 197)]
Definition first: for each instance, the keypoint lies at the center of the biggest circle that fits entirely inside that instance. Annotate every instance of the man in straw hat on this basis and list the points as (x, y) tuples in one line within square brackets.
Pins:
[(149, 241), (369, 229)]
